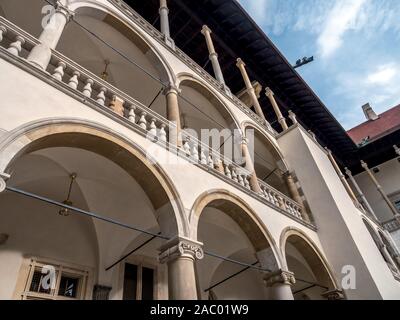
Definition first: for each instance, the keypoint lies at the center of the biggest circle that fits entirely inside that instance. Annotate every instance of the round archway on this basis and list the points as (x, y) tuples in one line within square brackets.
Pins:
[(228, 227), (312, 273), (112, 179), (268, 161)]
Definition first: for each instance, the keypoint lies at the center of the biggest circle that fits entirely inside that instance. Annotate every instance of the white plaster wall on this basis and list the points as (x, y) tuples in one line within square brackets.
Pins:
[(335, 215)]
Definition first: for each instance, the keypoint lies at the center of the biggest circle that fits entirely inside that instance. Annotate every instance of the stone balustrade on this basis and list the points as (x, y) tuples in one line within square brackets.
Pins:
[(91, 89), (152, 31)]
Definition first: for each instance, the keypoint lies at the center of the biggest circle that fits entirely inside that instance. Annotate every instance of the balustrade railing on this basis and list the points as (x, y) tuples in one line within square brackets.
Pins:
[(16, 43)]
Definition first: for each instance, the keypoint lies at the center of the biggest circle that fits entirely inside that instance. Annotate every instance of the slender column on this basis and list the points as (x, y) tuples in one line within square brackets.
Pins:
[(342, 177), (397, 150), (41, 54), (255, 186), (279, 283), (180, 255), (294, 193), (206, 31), (380, 189), (281, 119), (164, 23), (174, 115), (250, 89), (360, 193), (293, 117)]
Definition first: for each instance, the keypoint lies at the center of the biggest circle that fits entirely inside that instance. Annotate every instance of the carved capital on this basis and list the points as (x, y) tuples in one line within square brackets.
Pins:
[(334, 294), (171, 88), (240, 63), (364, 165), (293, 117), (348, 172), (269, 93), (206, 30), (60, 8), (181, 247), (396, 149), (279, 277)]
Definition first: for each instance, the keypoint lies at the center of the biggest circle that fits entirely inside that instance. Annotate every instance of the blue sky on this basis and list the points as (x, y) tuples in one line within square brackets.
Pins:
[(355, 43)]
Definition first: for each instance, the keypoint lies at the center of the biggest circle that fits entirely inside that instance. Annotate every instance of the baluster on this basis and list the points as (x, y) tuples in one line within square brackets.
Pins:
[(16, 47), (203, 157), (247, 182), (143, 121), (163, 133), (3, 31), (186, 147), (132, 114), (87, 89), (273, 198), (241, 181), (195, 152), (228, 171), (210, 159), (234, 175), (153, 127), (73, 81), (59, 71), (101, 97)]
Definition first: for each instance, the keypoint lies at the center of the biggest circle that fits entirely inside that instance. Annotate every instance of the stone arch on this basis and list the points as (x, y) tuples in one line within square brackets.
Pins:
[(186, 79), (95, 137), (311, 253), (241, 213), (279, 155)]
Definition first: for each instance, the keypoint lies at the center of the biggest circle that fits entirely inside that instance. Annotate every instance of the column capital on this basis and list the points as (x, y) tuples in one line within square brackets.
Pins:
[(163, 4), (60, 8), (240, 63), (269, 93), (348, 172), (335, 294), (206, 30), (279, 277), (171, 88), (293, 117), (396, 149), (3, 178), (364, 165), (181, 247)]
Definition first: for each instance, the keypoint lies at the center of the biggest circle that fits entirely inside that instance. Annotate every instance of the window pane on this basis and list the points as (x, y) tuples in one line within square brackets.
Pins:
[(147, 284), (68, 286), (38, 282), (130, 282), (397, 204)]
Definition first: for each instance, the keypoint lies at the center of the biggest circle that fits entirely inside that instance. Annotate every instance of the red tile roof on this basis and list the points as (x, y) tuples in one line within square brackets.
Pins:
[(388, 122)]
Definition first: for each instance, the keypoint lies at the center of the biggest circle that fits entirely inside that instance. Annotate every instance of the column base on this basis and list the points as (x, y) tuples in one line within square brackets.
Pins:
[(170, 42), (40, 56)]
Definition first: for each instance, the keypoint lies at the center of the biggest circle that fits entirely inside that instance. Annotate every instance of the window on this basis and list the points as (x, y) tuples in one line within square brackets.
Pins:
[(397, 205), (395, 198), (53, 281), (138, 282)]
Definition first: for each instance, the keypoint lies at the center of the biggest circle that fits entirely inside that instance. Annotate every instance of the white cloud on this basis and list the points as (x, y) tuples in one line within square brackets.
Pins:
[(340, 19), (384, 75)]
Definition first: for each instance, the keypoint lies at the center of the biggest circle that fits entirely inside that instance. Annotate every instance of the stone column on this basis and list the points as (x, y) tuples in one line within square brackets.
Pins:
[(250, 89), (41, 54), (255, 186), (164, 23), (342, 177), (281, 119), (360, 193), (397, 150), (295, 194), (173, 114), (279, 284), (380, 189), (213, 56), (180, 255)]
